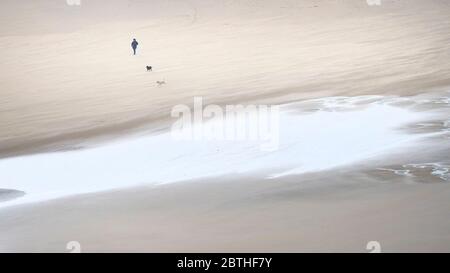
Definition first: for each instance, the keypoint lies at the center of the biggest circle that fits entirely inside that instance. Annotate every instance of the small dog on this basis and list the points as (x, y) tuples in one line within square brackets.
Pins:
[(161, 83), (149, 68)]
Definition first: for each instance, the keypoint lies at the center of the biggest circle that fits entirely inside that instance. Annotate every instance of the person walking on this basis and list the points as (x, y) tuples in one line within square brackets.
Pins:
[(134, 45)]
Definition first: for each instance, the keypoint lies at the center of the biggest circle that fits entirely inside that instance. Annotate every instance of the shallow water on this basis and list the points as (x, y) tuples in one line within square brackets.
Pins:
[(313, 135)]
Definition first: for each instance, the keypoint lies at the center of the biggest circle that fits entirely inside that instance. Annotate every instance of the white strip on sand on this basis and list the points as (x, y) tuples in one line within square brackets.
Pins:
[(340, 131)]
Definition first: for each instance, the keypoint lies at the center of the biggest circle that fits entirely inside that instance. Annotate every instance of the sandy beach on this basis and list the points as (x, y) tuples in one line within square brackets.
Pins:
[(85, 148)]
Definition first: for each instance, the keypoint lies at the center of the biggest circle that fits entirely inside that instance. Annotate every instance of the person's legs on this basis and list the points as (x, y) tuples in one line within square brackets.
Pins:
[(134, 50)]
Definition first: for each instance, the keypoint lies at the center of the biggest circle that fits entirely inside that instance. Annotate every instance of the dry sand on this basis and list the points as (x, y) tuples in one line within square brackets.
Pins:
[(67, 75), (68, 79)]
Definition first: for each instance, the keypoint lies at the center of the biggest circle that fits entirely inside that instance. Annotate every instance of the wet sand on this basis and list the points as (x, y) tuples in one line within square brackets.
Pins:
[(339, 210), (7, 195), (333, 211)]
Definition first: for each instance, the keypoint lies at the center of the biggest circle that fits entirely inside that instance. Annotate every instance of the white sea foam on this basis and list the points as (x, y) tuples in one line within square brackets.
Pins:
[(308, 142)]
